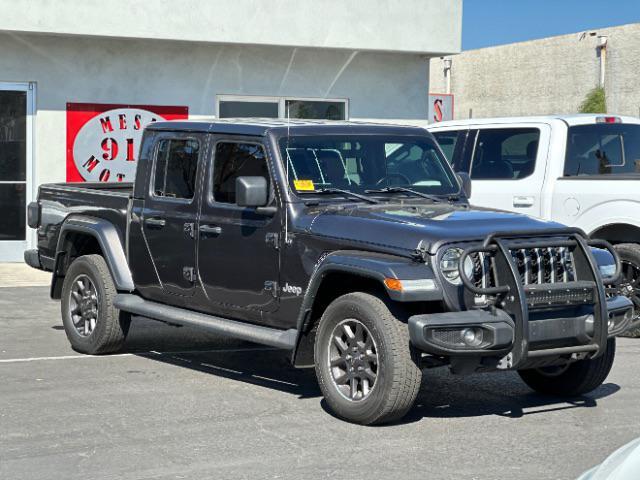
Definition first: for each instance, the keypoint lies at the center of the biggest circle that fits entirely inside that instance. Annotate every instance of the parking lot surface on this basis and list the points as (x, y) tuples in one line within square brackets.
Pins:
[(179, 404)]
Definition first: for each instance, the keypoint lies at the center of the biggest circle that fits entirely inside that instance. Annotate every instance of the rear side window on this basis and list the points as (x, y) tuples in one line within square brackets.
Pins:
[(505, 153), (233, 160), (447, 142), (603, 149), (176, 165)]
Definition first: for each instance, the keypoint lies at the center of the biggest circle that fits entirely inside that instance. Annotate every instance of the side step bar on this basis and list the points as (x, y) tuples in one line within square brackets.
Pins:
[(273, 337)]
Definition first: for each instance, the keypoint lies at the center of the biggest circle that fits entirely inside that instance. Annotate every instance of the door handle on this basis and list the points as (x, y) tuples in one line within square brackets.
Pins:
[(210, 229), (523, 201), (155, 222)]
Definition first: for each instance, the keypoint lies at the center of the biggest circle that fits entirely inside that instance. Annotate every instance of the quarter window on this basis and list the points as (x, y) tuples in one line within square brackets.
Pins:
[(505, 154), (235, 160), (176, 165)]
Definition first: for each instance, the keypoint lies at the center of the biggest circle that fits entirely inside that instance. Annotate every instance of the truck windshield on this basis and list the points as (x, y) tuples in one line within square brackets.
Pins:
[(362, 163), (603, 149)]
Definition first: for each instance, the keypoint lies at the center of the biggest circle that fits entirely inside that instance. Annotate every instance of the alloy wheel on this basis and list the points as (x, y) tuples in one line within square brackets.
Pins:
[(353, 359), (83, 305)]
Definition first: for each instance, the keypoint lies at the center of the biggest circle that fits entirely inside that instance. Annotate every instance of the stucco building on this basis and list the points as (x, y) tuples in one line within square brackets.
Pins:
[(80, 78)]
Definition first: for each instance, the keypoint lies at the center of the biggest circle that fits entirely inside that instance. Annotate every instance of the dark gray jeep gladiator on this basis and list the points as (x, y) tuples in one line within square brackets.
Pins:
[(351, 245)]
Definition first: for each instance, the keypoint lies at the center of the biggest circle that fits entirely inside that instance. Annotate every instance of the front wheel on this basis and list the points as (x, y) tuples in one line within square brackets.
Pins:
[(366, 368), (630, 282), (92, 324), (574, 379)]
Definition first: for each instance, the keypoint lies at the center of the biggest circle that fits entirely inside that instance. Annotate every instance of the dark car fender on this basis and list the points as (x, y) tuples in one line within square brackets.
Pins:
[(369, 265), (110, 243)]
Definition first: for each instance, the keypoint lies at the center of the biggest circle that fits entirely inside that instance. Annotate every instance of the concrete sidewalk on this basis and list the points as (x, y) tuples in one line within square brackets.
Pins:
[(22, 275)]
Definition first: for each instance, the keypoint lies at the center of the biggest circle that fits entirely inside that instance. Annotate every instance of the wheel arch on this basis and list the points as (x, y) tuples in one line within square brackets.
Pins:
[(344, 272), (83, 235), (617, 232)]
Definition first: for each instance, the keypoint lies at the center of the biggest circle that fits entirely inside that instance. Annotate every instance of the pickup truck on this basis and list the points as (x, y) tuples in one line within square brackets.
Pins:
[(578, 170), (350, 245)]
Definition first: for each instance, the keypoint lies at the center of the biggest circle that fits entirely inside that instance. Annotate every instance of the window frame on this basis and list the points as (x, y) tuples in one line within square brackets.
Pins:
[(479, 129), (280, 100), (152, 177), (209, 195)]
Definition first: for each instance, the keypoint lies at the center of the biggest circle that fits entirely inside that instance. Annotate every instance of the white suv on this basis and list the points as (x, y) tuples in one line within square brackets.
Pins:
[(579, 170)]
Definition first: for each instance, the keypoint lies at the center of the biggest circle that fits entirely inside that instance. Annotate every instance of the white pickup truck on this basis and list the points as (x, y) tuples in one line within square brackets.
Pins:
[(579, 170)]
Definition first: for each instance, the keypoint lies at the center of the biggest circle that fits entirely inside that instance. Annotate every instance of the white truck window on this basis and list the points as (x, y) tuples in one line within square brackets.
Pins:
[(505, 153), (447, 142), (603, 149)]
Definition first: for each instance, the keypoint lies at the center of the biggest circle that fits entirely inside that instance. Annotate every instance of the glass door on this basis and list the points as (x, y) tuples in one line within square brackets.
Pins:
[(15, 169)]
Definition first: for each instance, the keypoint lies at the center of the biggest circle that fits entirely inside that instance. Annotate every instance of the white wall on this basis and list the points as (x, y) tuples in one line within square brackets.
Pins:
[(81, 69), (419, 26), (547, 76)]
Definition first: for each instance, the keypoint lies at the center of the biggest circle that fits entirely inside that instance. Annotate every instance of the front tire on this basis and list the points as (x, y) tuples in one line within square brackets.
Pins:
[(92, 324), (630, 258), (575, 379), (366, 368)]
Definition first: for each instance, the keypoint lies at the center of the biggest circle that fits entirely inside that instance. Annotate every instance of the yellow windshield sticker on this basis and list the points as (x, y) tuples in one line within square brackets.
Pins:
[(304, 185)]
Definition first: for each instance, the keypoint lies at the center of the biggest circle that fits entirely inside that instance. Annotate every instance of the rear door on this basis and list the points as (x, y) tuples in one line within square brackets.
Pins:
[(507, 166), (170, 211), (238, 247)]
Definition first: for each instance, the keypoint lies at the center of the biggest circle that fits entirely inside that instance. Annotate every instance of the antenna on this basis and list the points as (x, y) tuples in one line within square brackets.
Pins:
[(287, 160)]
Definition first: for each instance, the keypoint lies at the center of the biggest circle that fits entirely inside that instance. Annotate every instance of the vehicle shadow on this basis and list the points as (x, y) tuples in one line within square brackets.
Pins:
[(442, 395)]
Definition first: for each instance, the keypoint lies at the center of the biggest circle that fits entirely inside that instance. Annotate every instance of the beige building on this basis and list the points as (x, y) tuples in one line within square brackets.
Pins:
[(547, 76)]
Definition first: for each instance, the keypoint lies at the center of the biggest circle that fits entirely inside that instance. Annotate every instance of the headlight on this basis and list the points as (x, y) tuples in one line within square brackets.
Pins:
[(606, 262), (449, 266)]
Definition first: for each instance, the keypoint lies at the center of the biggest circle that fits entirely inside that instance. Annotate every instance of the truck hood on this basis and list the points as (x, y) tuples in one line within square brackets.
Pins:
[(404, 226)]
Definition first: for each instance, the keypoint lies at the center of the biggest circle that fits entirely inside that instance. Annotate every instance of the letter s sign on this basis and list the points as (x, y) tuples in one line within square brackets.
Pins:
[(440, 107)]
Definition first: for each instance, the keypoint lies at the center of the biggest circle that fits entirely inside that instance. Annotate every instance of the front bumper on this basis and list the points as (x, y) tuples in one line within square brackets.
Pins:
[(529, 319), (443, 333)]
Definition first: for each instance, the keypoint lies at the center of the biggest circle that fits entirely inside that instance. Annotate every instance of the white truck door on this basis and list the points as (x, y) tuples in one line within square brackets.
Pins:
[(508, 167), (599, 183)]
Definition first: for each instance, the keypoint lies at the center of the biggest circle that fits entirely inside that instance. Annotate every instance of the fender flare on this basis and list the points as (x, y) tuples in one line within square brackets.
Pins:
[(368, 265), (109, 240)]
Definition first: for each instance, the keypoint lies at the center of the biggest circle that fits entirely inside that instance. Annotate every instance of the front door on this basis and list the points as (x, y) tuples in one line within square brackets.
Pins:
[(508, 168), (170, 211), (237, 254), (16, 117)]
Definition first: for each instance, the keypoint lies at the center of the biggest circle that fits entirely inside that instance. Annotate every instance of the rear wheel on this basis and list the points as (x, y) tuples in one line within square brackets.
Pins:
[(574, 379), (92, 324), (630, 282), (364, 362)]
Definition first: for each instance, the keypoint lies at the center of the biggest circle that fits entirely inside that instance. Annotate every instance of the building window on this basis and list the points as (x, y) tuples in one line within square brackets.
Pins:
[(245, 108), (235, 160), (176, 165), (235, 106)]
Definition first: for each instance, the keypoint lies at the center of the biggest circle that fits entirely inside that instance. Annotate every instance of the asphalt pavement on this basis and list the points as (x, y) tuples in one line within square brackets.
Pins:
[(178, 404)]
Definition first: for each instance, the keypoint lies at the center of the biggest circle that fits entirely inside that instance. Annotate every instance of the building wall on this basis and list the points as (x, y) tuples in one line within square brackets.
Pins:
[(148, 72), (418, 26), (547, 76)]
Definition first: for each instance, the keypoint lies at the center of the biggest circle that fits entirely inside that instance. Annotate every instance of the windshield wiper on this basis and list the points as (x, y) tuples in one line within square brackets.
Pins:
[(405, 190), (346, 193)]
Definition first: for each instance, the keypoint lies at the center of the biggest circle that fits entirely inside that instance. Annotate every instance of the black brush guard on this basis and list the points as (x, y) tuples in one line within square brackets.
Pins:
[(513, 297)]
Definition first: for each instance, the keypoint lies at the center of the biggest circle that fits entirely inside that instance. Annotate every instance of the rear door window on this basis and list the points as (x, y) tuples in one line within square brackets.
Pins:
[(603, 149), (175, 170), (505, 153)]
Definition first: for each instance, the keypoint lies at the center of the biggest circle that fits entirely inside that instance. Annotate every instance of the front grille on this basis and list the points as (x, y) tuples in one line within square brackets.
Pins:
[(534, 265)]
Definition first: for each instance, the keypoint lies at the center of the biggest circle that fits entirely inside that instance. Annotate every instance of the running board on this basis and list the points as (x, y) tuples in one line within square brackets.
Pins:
[(273, 337)]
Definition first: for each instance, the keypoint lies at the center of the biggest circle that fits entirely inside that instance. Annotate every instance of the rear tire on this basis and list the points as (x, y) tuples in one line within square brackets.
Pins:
[(576, 379), (92, 324), (366, 368), (630, 257)]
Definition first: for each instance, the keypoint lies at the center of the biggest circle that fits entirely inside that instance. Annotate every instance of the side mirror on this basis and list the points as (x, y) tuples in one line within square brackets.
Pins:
[(465, 181), (251, 191)]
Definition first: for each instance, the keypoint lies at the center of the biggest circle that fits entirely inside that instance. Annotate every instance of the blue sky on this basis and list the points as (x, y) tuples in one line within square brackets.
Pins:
[(495, 22)]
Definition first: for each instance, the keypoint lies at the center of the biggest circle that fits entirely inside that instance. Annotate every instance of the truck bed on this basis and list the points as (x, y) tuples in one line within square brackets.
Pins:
[(58, 201)]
